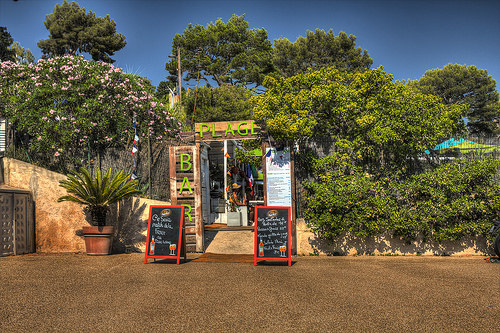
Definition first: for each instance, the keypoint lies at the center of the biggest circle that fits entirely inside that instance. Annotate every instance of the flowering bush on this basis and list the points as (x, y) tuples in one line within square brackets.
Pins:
[(66, 104)]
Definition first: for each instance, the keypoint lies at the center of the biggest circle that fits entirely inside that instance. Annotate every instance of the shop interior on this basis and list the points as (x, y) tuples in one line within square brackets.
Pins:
[(231, 186)]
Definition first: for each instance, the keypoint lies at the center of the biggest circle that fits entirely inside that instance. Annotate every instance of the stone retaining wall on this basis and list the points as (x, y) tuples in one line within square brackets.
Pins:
[(58, 226), (347, 244)]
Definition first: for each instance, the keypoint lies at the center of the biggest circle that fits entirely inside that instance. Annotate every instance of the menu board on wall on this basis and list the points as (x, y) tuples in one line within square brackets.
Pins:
[(272, 234), (165, 237), (278, 177)]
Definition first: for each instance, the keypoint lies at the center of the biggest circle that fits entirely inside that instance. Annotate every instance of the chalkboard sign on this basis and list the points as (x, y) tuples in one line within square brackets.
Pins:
[(272, 234), (165, 236)]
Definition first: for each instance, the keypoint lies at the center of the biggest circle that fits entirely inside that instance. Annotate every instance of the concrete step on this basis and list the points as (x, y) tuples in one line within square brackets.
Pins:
[(229, 241)]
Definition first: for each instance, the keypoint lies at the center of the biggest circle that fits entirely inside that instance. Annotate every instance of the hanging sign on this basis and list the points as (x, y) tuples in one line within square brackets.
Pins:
[(227, 130), (165, 236), (272, 234), (278, 177)]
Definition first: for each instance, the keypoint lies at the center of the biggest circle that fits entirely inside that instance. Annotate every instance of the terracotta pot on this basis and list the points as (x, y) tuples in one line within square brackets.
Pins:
[(98, 240)]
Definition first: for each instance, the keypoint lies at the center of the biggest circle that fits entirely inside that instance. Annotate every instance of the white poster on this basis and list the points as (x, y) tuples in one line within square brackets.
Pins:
[(279, 180)]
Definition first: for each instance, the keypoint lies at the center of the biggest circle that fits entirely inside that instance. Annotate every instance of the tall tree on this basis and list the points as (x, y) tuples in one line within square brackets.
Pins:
[(72, 30), (466, 85), (319, 49), (163, 89), (367, 116), (218, 104), (6, 40), (228, 53), (22, 55)]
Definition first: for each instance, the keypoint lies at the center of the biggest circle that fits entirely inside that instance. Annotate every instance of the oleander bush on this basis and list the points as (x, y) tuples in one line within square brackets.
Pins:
[(65, 106)]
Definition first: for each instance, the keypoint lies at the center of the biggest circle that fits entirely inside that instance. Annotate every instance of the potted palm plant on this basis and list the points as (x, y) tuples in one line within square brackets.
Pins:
[(97, 194)]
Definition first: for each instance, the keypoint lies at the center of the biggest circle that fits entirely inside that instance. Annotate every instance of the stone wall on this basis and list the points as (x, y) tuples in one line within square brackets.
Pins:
[(58, 225), (348, 244)]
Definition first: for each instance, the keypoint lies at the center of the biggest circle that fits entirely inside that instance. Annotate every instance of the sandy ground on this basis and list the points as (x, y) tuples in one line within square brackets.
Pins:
[(119, 293)]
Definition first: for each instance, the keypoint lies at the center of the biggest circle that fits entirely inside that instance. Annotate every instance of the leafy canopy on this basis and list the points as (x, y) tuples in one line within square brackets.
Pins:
[(365, 114), (6, 40), (319, 49), (228, 53), (72, 30), (66, 104), (218, 104), (21, 54), (466, 85)]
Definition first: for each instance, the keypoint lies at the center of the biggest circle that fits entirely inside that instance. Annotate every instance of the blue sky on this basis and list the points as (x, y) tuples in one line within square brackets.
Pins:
[(406, 37)]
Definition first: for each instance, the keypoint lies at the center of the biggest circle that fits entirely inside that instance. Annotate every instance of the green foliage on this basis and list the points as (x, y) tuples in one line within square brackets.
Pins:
[(163, 89), (22, 55), (367, 115), (447, 203), (248, 154), (72, 29), (67, 104), (229, 53), (378, 129), (317, 50), (341, 202), (466, 85), (6, 41), (99, 192), (455, 199), (218, 104)]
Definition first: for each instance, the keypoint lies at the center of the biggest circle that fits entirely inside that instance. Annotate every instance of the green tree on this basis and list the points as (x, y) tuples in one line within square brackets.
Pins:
[(218, 104), (367, 115), (319, 49), (466, 85), (21, 54), (6, 41), (164, 88), (72, 30), (228, 53)]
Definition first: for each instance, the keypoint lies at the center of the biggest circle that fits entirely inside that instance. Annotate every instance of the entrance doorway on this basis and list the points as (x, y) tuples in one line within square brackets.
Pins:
[(223, 177), (236, 185)]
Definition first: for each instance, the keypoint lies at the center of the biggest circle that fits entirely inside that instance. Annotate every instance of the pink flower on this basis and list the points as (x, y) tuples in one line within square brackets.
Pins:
[(57, 153), (52, 111)]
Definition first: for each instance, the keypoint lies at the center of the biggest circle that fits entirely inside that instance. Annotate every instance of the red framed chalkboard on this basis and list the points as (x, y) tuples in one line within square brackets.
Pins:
[(165, 233), (272, 234)]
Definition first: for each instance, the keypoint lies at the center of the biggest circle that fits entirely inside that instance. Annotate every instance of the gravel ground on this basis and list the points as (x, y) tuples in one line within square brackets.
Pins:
[(119, 293)]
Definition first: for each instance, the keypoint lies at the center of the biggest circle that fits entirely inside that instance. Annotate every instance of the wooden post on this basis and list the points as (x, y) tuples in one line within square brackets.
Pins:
[(199, 226), (179, 73), (265, 145), (293, 222), (184, 175)]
